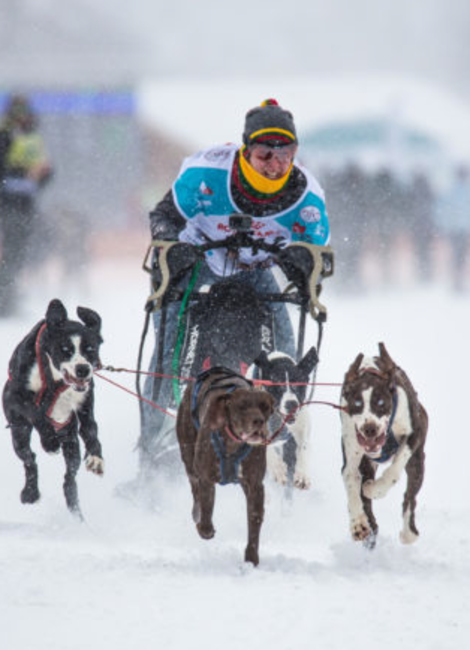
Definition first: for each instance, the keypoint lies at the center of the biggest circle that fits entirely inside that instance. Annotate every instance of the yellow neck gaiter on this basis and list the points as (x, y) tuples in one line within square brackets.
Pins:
[(259, 182)]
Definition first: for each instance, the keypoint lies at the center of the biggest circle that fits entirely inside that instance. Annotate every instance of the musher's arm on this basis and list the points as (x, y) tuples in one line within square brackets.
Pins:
[(166, 223), (165, 220)]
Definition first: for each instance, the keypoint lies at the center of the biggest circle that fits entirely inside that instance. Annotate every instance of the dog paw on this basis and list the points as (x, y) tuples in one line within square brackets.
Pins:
[(360, 529), (301, 482), (95, 464), (196, 512), (206, 532), (251, 555), (408, 537), (51, 445), (30, 495), (370, 541)]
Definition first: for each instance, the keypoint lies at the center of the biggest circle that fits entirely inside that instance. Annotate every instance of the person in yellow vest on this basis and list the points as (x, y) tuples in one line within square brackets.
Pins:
[(24, 170)]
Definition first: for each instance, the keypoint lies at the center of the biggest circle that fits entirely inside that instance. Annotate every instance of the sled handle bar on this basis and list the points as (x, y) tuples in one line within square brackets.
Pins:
[(322, 264), (242, 239)]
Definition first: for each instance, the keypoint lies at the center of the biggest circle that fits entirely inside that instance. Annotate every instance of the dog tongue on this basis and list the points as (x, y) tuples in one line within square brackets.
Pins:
[(371, 446)]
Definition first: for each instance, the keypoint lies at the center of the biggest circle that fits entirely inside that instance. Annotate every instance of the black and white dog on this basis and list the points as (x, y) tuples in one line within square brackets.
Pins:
[(289, 462), (382, 422), (50, 389)]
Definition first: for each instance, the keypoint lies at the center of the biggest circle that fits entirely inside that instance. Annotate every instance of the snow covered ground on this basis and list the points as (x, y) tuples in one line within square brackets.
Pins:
[(137, 575)]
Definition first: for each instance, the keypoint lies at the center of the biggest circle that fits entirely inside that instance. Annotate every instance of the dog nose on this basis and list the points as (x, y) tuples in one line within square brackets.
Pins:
[(258, 422), (82, 370), (370, 430)]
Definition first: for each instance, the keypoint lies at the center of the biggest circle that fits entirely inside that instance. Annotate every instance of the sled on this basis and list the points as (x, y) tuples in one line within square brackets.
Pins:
[(229, 324)]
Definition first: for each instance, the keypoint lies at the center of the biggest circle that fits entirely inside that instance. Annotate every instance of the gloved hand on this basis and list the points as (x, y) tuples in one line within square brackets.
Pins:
[(180, 259)]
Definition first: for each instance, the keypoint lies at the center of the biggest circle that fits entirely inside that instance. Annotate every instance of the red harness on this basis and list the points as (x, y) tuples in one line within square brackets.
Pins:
[(60, 389), (42, 374)]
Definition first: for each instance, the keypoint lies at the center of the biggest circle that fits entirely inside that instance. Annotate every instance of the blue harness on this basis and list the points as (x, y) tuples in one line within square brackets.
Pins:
[(229, 463), (391, 445)]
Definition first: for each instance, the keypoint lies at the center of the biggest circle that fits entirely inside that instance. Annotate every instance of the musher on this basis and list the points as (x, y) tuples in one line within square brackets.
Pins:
[(261, 178)]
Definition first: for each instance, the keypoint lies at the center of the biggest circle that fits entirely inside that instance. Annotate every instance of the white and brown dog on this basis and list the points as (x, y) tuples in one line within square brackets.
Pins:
[(382, 422)]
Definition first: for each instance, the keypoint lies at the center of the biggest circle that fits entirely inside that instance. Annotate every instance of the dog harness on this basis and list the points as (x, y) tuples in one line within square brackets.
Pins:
[(61, 386), (229, 463)]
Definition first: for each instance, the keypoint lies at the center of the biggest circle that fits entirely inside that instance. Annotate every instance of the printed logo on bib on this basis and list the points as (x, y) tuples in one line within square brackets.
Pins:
[(205, 189), (310, 214), (298, 229), (213, 155)]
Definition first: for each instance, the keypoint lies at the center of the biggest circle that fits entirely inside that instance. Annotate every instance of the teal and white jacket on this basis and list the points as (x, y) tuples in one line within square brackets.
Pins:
[(202, 195)]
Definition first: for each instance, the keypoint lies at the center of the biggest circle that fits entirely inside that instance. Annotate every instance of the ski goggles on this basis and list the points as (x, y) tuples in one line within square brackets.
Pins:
[(265, 153)]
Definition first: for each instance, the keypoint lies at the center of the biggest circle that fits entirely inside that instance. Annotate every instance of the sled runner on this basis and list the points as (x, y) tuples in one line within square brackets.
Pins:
[(227, 324)]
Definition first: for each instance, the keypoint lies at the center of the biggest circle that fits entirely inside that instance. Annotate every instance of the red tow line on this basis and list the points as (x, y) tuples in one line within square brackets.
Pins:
[(131, 392), (263, 382)]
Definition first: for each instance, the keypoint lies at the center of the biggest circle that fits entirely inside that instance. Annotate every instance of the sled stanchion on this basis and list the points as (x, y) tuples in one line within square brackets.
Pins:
[(301, 333), (161, 347), (139, 359)]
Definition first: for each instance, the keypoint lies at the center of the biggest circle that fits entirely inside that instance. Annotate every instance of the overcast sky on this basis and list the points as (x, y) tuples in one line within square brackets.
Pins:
[(92, 41)]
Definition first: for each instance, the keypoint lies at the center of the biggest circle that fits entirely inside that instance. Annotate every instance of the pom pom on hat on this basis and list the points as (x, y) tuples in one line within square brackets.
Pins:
[(269, 124)]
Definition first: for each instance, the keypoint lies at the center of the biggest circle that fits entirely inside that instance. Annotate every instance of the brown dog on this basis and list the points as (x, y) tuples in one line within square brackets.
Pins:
[(382, 422), (222, 432)]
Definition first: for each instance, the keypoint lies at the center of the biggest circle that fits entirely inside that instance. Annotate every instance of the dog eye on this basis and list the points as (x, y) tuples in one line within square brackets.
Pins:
[(357, 402), (66, 349), (89, 348), (380, 402)]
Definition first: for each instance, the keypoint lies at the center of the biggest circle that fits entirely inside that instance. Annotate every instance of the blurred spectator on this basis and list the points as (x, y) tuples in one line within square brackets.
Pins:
[(453, 222), (419, 206), (347, 207), (386, 220), (24, 170)]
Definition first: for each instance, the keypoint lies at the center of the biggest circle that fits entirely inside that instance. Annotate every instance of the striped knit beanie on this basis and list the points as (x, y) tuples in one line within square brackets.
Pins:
[(269, 124)]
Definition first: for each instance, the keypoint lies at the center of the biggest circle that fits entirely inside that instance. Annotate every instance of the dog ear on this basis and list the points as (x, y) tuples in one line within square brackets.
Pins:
[(309, 361), (216, 414), (56, 314), (386, 359), (354, 368), (261, 360), (91, 319)]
